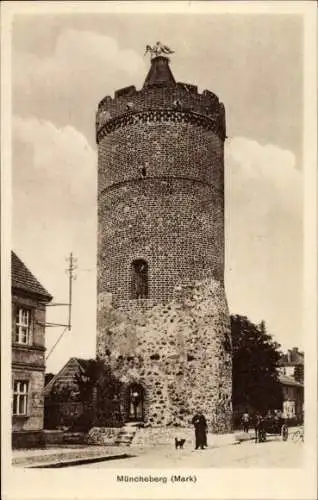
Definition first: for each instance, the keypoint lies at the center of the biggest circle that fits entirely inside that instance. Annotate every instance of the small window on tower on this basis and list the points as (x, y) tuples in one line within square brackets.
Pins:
[(139, 281), (143, 171)]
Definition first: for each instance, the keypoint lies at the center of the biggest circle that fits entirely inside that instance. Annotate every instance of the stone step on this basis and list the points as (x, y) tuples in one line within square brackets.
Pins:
[(125, 436)]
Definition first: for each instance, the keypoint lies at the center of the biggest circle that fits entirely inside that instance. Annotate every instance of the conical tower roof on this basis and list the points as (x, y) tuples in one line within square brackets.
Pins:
[(159, 73)]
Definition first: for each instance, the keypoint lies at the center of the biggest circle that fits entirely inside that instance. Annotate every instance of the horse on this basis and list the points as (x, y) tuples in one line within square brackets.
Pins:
[(260, 431)]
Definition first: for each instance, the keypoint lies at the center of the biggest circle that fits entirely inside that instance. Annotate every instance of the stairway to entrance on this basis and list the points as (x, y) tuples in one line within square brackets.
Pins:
[(127, 434)]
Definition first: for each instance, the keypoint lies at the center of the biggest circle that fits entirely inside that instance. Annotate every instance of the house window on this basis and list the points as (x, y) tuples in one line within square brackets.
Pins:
[(20, 397), (139, 281), (22, 328)]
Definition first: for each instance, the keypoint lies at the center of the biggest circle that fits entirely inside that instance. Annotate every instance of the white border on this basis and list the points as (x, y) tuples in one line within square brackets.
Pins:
[(212, 483)]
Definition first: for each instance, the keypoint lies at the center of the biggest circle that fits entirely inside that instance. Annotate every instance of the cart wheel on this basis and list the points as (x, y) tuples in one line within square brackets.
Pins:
[(284, 432)]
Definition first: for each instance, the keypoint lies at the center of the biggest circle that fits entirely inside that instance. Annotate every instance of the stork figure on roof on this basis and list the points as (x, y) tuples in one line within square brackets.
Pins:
[(158, 49)]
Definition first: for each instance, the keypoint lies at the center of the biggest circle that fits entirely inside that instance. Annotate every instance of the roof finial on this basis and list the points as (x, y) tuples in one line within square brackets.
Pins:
[(158, 49)]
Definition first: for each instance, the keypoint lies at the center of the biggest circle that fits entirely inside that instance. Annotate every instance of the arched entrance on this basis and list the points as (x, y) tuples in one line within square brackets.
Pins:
[(135, 403)]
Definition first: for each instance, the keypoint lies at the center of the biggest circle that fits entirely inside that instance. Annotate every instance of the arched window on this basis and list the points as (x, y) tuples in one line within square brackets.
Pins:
[(139, 279)]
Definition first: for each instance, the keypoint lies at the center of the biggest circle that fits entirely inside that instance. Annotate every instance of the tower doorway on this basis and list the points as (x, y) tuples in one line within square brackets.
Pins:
[(135, 403)]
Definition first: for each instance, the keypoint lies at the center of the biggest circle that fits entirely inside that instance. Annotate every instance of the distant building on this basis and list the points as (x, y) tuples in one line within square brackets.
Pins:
[(293, 398), (29, 300), (291, 364), (63, 405), (291, 376)]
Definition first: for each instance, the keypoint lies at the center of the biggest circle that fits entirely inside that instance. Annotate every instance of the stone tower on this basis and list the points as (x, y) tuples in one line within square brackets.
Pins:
[(162, 319)]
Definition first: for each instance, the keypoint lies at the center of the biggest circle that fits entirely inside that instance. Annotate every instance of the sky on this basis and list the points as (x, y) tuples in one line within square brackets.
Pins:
[(63, 65)]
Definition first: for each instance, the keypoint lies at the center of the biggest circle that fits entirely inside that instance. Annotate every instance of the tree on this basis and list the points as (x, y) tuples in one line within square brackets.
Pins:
[(108, 398), (60, 393), (255, 356), (99, 392), (86, 379)]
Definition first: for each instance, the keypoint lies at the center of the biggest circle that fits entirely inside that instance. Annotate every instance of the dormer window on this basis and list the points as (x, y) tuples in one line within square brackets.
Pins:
[(23, 326)]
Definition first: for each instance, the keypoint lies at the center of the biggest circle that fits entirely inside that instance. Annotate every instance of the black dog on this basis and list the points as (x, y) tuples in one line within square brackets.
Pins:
[(179, 443)]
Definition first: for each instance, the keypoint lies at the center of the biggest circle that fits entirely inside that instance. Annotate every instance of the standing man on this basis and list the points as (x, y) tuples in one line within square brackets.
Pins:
[(200, 427), (245, 421)]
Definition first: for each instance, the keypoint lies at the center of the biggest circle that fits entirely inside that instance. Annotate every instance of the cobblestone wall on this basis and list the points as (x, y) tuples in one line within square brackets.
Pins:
[(103, 435), (179, 352)]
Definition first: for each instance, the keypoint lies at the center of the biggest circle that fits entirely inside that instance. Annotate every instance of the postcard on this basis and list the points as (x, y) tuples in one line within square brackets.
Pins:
[(159, 250)]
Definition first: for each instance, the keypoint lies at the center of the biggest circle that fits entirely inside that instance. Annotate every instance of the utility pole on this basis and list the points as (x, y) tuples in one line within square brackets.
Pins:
[(70, 270), (71, 276)]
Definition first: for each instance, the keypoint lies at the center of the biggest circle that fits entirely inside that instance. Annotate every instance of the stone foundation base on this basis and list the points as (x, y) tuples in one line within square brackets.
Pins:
[(27, 439), (103, 435), (52, 437), (157, 436), (163, 436), (176, 356)]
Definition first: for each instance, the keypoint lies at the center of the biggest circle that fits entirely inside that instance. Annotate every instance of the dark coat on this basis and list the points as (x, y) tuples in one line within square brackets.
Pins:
[(200, 427)]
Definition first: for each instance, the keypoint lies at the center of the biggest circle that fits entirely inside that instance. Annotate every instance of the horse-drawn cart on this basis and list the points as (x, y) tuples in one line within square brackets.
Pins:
[(270, 425)]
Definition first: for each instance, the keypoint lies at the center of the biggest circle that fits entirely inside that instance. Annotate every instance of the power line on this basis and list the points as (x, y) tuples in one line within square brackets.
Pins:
[(50, 352)]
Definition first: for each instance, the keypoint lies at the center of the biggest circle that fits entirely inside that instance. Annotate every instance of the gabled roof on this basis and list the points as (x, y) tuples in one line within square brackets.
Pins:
[(289, 381), (82, 363), (160, 72), (23, 279)]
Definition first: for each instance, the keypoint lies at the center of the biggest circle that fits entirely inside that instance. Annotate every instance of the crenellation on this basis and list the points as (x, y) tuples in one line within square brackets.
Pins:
[(125, 92), (106, 100), (129, 100)]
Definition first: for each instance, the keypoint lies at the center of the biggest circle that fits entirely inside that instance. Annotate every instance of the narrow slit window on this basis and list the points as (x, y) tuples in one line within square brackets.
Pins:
[(139, 281)]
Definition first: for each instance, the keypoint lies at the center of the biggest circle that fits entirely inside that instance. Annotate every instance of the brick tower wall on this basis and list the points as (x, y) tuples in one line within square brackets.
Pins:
[(172, 213), (161, 199)]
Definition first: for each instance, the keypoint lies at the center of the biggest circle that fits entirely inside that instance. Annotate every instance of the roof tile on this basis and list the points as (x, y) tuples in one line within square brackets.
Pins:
[(24, 280)]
